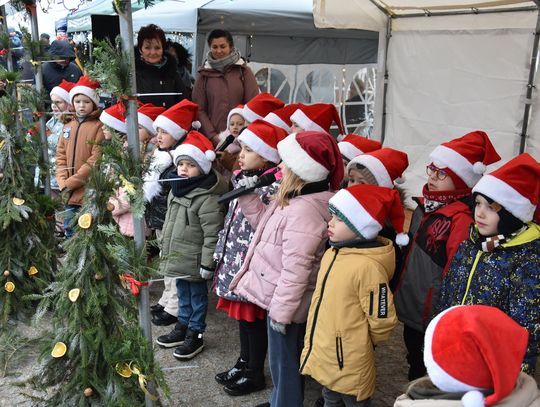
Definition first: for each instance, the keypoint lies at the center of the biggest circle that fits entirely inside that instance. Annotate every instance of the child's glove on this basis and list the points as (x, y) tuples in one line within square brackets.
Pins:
[(248, 182), (206, 274), (65, 194), (276, 326)]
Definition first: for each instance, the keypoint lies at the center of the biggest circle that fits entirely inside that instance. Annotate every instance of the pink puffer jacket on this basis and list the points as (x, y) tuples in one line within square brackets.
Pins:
[(280, 270)]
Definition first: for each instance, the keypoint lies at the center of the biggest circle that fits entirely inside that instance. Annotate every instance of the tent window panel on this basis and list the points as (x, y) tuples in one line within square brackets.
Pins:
[(317, 87), (273, 81), (357, 109)]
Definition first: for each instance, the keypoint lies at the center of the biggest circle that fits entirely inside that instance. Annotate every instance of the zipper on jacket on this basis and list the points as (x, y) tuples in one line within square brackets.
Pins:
[(75, 148), (316, 313), (471, 274), (339, 351), (370, 303)]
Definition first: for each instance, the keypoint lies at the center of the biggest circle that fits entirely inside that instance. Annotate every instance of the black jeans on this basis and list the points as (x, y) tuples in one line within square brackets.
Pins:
[(414, 342)]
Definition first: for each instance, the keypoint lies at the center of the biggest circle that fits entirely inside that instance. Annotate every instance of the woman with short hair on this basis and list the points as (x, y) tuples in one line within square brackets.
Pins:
[(156, 69)]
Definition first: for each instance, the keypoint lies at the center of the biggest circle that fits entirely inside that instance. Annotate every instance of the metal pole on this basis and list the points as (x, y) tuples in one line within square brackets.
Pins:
[(39, 87), (126, 33), (9, 60), (385, 88), (530, 87)]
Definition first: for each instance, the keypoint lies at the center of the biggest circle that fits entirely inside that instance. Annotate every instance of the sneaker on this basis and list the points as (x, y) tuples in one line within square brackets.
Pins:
[(163, 319), (156, 309), (250, 382), (174, 338), (192, 346), (233, 374)]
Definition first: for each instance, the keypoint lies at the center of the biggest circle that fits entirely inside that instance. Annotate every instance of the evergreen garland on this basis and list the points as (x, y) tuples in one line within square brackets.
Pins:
[(27, 244)]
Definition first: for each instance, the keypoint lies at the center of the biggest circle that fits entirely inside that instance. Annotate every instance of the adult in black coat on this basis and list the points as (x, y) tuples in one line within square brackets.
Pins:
[(64, 68), (156, 69)]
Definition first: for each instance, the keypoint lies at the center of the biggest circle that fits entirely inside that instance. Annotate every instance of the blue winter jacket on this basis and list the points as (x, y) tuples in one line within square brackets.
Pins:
[(507, 278)]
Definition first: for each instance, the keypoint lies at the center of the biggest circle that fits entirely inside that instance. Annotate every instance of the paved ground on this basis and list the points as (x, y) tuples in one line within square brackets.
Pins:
[(192, 383)]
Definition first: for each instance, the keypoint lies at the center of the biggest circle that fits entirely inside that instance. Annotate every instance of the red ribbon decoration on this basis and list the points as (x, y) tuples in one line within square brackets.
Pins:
[(134, 284), (3, 52)]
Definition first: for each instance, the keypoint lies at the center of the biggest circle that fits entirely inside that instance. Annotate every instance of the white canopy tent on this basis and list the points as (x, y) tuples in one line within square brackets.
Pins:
[(451, 67)]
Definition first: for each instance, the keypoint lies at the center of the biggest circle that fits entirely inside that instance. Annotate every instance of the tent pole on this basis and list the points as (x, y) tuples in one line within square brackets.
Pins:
[(385, 85), (39, 87), (530, 87), (126, 33)]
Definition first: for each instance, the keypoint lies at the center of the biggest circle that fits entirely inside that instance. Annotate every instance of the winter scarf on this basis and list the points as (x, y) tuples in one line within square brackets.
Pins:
[(434, 200), (221, 64), (311, 188), (489, 243), (181, 186)]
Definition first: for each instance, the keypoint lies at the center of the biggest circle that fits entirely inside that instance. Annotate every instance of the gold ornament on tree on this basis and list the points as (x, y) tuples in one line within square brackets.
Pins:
[(9, 287), (32, 271), (88, 392)]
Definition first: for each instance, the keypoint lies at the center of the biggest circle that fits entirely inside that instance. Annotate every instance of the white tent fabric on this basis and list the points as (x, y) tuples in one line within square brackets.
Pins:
[(449, 75), (170, 15)]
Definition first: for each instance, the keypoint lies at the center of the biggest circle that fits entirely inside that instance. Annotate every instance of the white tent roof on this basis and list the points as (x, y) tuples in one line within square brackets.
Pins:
[(372, 14), (170, 15)]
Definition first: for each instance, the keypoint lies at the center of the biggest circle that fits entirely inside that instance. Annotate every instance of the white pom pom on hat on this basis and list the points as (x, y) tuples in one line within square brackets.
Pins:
[(210, 154), (196, 125), (402, 239), (473, 398), (479, 167)]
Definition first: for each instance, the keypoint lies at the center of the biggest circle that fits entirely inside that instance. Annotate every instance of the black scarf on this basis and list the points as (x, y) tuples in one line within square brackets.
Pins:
[(357, 243), (311, 188), (181, 186)]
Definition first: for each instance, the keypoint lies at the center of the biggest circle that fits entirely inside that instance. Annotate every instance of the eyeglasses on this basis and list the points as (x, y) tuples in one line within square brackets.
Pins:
[(440, 174)]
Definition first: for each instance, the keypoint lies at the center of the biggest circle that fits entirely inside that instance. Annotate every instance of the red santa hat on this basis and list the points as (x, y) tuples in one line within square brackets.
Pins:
[(474, 348), (179, 119), (198, 148), (353, 145), (515, 186), (317, 117), (239, 110), (313, 156), (263, 138), (282, 117), (365, 208), (260, 105), (147, 113), (87, 87), (114, 117), (387, 165), (62, 90), (466, 156)]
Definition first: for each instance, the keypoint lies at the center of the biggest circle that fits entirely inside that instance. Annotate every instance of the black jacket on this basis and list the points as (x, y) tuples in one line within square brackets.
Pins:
[(164, 79), (54, 73)]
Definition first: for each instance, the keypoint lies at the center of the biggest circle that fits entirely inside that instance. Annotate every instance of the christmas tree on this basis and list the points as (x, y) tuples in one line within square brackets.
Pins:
[(97, 353), (27, 244)]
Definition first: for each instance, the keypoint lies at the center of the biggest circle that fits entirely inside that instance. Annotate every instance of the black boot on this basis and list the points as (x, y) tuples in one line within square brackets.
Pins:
[(156, 309), (163, 318), (250, 382), (232, 374), (192, 346), (174, 338)]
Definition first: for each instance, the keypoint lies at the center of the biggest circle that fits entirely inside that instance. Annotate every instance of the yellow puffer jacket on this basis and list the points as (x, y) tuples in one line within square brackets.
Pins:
[(352, 310)]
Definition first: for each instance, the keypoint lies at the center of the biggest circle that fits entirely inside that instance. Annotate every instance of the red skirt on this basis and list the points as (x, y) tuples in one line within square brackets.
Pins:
[(241, 311)]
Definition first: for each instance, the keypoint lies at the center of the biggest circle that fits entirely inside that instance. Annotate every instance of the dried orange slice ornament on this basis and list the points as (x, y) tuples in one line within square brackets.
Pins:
[(85, 220), (59, 350), (17, 201), (9, 287), (32, 271), (73, 294)]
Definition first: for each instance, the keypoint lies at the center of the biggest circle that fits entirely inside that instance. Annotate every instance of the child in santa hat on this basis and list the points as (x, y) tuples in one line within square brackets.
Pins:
[(78, 148), (353, 145), (473, 356), (190, 232), (315, 117), (280, 268), (146, 114), (171, 127), (114, 122), (60, 105), (383, 167), (439, 224), (228, 158), (352, 302), (259, 155), (498, 264)]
